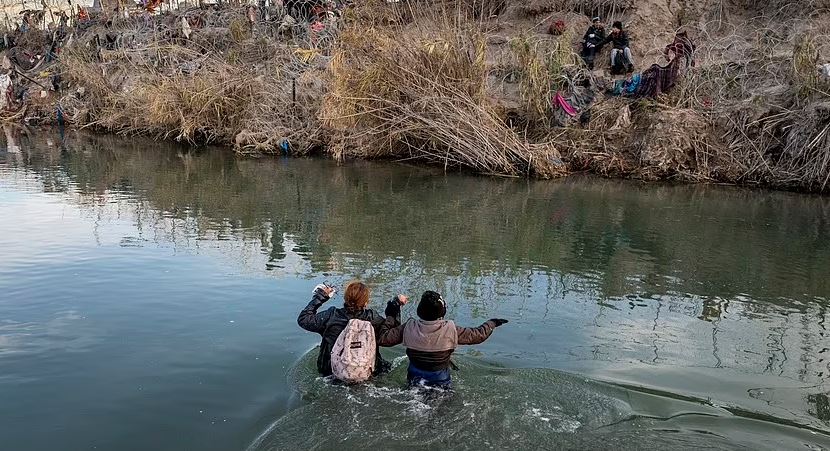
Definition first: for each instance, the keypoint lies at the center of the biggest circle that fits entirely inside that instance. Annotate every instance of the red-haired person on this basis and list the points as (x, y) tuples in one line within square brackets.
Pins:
[(329, 323)]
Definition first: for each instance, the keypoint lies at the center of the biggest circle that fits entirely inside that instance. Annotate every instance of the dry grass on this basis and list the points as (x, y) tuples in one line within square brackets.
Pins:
[(604, 8), (412, 81), (764, 98), (420, 93), (544, 67), (223, 86), (647, 140)]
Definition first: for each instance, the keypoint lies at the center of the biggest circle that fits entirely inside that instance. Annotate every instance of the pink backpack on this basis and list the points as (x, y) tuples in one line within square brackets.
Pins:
[(353, 354)]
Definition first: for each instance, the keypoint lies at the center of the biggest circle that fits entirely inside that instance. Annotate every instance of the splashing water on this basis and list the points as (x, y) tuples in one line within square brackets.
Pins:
[(499, 408)]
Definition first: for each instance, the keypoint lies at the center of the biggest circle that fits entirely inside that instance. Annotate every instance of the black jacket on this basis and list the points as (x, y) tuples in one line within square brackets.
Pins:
[(331, 322), (620, 40), (599, 36)]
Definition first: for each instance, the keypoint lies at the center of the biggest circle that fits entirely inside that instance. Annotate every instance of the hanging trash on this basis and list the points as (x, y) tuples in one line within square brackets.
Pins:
[(560, 102), (318, 26), (623, 119), (186, 30), (557, 28), (5, 87)]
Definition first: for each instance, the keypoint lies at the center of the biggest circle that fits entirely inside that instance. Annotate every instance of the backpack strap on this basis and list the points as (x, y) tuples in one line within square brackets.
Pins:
[(332, 318)]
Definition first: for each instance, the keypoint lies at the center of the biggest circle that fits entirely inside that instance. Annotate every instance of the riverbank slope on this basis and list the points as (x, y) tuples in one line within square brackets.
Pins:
[(465, 84)]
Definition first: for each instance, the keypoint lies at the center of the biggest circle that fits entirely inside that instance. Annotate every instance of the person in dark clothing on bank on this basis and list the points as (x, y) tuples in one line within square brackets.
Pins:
[(620, 52), (592, 42), (331, 322), (431, 340)]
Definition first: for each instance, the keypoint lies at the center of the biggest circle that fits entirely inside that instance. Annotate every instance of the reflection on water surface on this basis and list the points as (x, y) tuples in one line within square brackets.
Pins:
[(151, 288)]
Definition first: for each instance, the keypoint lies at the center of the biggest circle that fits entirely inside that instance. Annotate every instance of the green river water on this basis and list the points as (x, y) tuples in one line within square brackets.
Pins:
[(149, 295)]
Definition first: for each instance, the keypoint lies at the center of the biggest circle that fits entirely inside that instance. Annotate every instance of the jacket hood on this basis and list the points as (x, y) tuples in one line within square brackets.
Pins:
[(430, 336)]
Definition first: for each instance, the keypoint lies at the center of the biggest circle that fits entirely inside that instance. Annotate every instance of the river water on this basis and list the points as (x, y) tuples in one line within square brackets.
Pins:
[(149, 294)]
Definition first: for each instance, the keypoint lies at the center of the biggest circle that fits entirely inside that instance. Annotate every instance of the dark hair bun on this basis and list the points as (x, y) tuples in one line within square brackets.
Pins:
[(431, 307)]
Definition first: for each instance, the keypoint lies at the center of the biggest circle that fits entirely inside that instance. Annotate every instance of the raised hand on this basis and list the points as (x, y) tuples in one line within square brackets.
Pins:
[(327, 290)]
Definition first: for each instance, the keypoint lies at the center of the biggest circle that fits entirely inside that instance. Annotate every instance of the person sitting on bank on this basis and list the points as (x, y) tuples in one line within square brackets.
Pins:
[(331, 322), (431, 340), (620, 53), (592, 41)]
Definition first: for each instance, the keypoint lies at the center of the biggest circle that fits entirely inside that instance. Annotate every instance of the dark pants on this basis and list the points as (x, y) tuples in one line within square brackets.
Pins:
[(621, 61), (439, 379), (588, 55)]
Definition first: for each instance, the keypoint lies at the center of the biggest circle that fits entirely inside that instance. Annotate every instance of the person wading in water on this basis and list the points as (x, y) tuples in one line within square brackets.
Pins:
[(431, 340), (331, 322)]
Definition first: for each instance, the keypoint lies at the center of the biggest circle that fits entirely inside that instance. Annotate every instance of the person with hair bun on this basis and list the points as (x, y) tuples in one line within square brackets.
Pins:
[(431, 340), (331, 322)]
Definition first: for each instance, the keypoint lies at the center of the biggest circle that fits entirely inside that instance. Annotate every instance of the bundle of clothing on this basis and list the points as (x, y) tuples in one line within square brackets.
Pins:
[(577, 104), (658, 79), (652, 82)]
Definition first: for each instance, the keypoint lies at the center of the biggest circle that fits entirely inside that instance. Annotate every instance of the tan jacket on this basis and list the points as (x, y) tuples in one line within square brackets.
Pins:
[(429, 344)]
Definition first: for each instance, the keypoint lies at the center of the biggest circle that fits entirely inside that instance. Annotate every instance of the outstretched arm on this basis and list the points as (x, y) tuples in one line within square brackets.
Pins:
[(393, 308), (390, 336), (391, 331), (309, 319), (607, 39), (391, 313), (474, 336)]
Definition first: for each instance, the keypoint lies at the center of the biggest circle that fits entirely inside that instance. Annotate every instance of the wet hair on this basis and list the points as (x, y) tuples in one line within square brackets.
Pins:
[(618, 25), (356, 296), (432, 306)]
